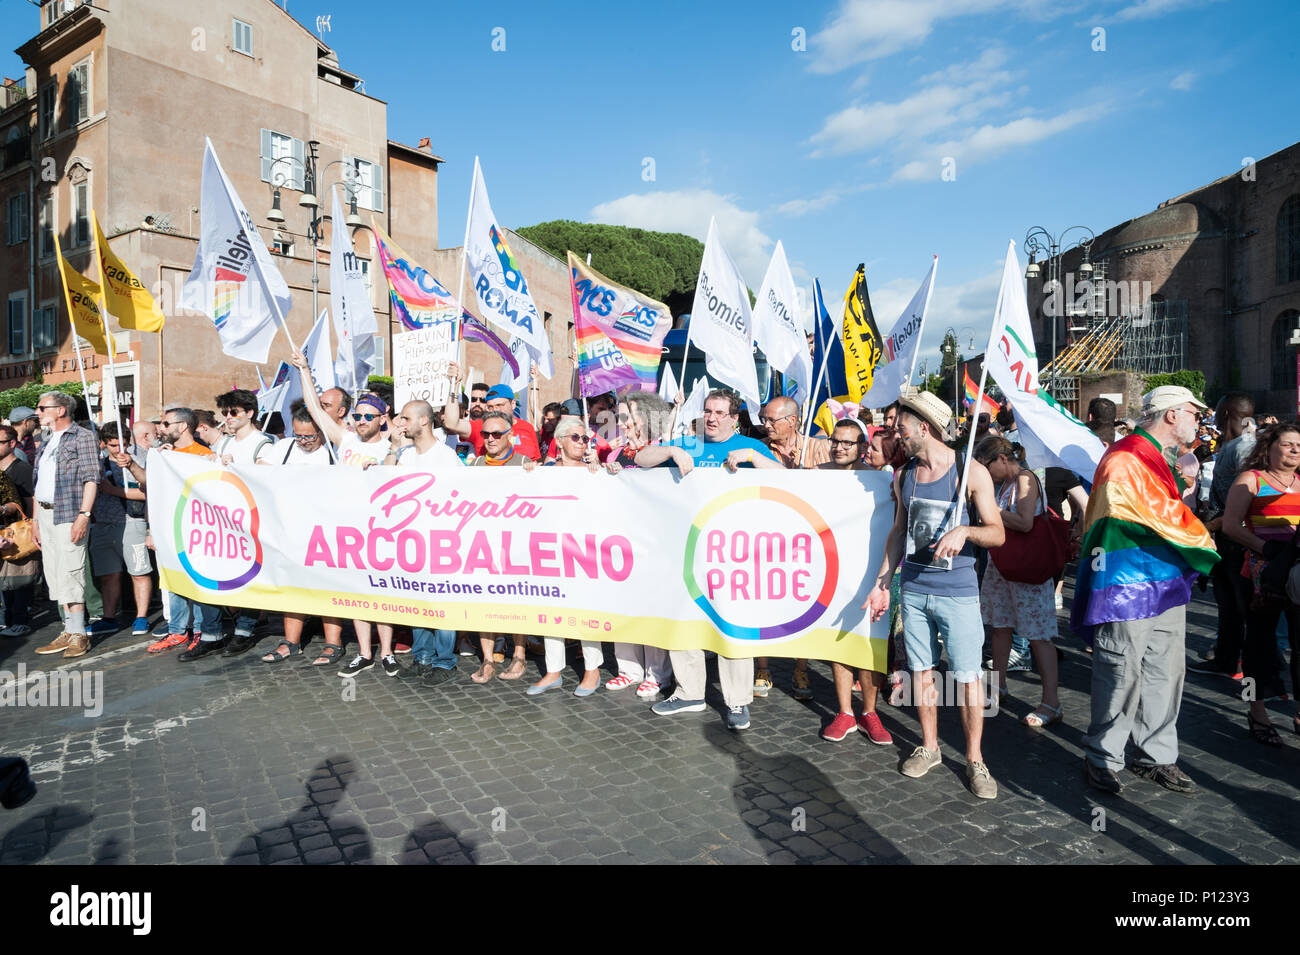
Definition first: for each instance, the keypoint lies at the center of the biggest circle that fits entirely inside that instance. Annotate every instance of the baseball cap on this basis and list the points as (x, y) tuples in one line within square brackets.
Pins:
[(372, 399), (1168, 396), (501, 391), (21, 413)]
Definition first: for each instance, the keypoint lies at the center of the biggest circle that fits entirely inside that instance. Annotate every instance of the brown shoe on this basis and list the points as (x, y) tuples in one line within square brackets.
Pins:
[(78, 646), (58, 646)]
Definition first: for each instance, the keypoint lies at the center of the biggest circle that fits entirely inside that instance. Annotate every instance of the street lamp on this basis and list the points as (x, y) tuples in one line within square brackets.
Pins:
[(315, 224), (949, 347), (1039, 241)]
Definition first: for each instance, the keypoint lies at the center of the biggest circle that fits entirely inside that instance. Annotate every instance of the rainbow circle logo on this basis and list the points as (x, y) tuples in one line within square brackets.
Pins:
[(215, 527), (739, 576)]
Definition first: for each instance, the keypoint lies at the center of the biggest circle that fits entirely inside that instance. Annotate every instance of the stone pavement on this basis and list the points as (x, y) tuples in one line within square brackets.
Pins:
[(233, 760)]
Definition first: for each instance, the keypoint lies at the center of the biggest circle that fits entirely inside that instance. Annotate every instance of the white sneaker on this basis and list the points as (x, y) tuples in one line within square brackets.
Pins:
[(647, 689)]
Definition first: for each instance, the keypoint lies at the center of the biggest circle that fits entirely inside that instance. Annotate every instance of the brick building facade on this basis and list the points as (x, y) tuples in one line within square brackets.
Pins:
[(112, 115), (1228, 256)]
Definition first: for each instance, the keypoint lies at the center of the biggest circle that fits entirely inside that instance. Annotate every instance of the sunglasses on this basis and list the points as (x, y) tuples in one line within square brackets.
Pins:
[(763, 420), (476, 401), (495, 434), (233, 413), (836, 442), (362, 416), (306, 438), (47, 407), (580, 438)]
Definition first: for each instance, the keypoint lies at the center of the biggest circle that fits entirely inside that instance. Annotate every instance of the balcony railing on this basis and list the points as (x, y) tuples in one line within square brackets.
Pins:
[(14, 93)]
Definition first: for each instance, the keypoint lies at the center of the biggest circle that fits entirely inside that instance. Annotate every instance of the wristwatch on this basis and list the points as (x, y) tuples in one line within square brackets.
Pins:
[(83, 513)]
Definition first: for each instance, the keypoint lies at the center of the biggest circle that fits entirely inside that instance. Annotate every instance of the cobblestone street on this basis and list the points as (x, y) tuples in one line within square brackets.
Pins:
[(233, 760)]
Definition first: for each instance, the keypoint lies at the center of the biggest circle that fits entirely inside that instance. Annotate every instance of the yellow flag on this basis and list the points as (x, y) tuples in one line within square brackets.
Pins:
[(84, 300), (125, 297), (862, 342)]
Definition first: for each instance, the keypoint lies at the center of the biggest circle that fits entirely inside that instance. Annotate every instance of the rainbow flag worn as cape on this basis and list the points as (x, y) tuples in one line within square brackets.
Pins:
[(1142, 547)]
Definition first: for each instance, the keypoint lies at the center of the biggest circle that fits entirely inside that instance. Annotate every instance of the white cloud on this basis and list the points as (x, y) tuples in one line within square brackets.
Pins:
[(958, 94), (865, 30), (1150, 9), (688, 211), (1183, 81), (989, 141)]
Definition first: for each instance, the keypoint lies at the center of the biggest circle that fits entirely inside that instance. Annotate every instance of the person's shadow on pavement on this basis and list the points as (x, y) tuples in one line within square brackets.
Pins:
[(35, 838), (816, 825), (433, 842), (312, 834)]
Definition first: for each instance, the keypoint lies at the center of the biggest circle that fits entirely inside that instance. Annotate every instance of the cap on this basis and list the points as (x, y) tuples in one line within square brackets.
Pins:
[(930, 409), (372, 399), (1168, 396), (501, 391), (572, 406), (21, 413)]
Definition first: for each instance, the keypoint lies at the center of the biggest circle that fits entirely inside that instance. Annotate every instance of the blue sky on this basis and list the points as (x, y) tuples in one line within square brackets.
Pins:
[(838, 149)]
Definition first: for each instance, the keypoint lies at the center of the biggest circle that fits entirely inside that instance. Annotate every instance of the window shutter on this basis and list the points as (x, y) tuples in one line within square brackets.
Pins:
[(349, 182), (377, 186), (299, 164), (83, 92), (266, 155)]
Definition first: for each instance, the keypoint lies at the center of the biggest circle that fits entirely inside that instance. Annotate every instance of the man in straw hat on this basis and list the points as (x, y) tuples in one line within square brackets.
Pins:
[(933, 537)]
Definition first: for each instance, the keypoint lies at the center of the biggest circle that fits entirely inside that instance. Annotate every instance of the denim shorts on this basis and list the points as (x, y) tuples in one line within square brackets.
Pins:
[(925, 617)]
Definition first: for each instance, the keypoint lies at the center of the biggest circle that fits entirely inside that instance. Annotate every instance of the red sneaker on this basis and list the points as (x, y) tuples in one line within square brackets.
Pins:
[(840, 728), (167, 642), (870, 726)]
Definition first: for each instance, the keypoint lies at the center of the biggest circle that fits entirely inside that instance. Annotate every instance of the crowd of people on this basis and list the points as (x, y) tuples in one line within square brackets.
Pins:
[(970, 585)]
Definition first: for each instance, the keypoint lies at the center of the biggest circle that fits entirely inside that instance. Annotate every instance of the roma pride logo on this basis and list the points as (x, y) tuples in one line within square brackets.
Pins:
[(761, 564), (215, 527)]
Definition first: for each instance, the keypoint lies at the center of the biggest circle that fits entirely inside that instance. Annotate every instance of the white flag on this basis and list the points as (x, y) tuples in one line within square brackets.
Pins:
[(692, 407), (778, 326), (354, 318), (316, 348), (498, 283), (1051, 436), (668, 384), (721, 324), (898, 358), (234, 282)]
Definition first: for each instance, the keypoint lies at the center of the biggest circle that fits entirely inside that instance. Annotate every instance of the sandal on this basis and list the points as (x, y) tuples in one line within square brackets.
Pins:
[(1043, 716), (483, 673), (328, 654), (514, 671), (1265, 733), (275, 656)]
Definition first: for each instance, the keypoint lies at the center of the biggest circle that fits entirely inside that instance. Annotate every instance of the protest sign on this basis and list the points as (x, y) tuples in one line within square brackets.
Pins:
[(758, 563), (420, 361)]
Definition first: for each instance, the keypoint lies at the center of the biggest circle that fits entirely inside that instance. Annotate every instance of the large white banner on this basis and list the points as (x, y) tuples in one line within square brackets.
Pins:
[(899, 344), (420, 361), (721, 324), (234, 282), (758, 563)]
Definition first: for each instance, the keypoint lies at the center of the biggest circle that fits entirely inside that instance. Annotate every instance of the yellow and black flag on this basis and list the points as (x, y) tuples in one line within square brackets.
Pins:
[(862, 343)]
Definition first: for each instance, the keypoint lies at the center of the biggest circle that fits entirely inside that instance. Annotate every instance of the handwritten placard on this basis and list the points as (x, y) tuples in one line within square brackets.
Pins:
[(420, 360)]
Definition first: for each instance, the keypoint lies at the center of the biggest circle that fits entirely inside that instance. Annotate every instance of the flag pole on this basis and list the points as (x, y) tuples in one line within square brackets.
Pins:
[(979, 397), (925, 311), (464, 251)]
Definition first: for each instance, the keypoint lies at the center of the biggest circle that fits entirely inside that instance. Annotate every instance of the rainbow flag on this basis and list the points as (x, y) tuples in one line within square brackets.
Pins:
[(620, 333), (418, 298), (1142, 548), (972, 389)]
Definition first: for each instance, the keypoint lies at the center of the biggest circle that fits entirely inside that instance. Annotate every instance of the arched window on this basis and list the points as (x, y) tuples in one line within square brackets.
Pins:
[(1283, 351), (1288, 241)]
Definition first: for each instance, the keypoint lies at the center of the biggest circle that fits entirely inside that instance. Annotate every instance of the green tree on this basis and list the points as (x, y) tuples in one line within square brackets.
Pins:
[(29, 394), (663, 265), (1192, 380)]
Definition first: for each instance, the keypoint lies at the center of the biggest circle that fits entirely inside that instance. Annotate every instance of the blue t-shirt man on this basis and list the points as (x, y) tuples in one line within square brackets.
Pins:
[(713, 454)]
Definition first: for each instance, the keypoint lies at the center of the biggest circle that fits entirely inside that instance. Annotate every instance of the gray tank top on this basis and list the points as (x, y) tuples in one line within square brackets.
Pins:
[(928, 507)]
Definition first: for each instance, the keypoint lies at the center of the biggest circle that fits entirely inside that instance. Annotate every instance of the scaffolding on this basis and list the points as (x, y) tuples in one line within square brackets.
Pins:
[(1149, 339)]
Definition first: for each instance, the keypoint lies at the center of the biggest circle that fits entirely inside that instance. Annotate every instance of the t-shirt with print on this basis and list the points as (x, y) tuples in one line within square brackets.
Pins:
[(253, 448), (355, 453), (713, 454)]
